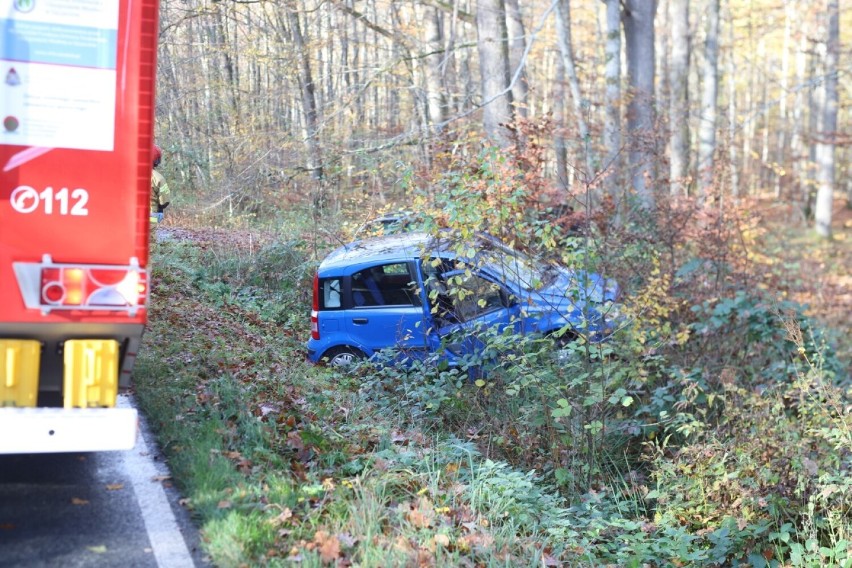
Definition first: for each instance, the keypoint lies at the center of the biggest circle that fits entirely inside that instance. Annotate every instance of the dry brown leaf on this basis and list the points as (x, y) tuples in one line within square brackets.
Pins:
[(78, 501), (402, 544), (224, 504), (422, 515), (425, 558), (329, 546), (476, 540), (294, 440), (282, 518), (115, 486)]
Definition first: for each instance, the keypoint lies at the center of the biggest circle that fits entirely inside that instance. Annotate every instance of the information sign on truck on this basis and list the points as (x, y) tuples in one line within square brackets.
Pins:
[(77, 84)]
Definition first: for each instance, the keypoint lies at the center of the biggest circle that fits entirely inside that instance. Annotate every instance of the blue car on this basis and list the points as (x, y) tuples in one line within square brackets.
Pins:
[(414, 291)]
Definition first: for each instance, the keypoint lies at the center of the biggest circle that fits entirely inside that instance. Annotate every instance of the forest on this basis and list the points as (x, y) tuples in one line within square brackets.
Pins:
[(696, 152)]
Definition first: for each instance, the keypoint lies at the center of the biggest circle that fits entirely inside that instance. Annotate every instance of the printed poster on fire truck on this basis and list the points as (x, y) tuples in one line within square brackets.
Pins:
[(58, 73)]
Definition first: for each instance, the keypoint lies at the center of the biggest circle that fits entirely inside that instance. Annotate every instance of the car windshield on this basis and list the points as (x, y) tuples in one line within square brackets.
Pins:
[(513, 266)]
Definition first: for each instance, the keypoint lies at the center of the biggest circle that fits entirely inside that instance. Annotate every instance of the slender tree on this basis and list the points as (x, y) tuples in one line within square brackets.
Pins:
[(709, 95), (309, 104), (492, 42), (517, 61), (563, 27), (790, 10), (560, 140), (827, 138), (638, 20), (679, 97), (612, 99), (435, 92), (733, 124)]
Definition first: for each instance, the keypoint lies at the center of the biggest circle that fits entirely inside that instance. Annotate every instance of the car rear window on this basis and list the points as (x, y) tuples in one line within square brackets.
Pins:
[(331, 296)]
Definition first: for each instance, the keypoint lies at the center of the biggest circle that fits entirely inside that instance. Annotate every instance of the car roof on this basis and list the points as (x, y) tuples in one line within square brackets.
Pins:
[(397, 247)]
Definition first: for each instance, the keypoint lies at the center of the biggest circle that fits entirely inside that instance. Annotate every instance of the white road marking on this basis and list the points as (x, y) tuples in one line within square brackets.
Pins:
[(169, 547)]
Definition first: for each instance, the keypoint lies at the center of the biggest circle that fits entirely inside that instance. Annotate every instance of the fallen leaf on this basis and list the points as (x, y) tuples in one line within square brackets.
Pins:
[(282, 518), (100, 549), (329, 546), (78, 501), (115, 486), (161, 478), (442, 540), (266, 408), (224, 504), (402, 544), (421, 516), (294, 440), (476, 540)]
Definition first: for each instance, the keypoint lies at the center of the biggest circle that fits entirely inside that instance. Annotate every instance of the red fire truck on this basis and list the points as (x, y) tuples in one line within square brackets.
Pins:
[(77, 110)]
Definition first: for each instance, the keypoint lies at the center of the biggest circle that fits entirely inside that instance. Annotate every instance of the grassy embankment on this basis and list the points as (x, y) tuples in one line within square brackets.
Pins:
[(662, 457)]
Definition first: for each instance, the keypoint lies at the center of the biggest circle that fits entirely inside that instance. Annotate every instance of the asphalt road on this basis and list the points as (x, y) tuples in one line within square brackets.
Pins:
[(93, 509)]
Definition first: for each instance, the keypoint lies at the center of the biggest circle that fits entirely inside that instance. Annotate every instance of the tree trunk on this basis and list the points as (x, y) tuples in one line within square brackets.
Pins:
[(638, 19), (679, 98), (517, 62), (709, 94), (733, 123), (828, 136), (781, 158), (563, 28), (612, 98), (437, 104), (560, 144), (493, 45), (309, 108), (798, 154)]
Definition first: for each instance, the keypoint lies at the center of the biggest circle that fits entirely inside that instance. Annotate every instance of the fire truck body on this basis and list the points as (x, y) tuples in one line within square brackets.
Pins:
[(77, 105)]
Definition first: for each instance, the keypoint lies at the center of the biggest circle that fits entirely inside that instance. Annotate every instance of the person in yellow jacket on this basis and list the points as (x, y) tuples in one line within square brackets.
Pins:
[(160, 192)]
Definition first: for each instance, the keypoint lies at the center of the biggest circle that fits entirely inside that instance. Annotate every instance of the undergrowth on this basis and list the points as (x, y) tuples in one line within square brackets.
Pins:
[(713, 428)]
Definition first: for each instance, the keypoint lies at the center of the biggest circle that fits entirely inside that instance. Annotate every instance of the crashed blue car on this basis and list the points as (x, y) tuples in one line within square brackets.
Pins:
[(419, 293)]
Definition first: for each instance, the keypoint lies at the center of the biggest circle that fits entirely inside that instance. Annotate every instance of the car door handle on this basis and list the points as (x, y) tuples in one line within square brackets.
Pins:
[(359, 321)]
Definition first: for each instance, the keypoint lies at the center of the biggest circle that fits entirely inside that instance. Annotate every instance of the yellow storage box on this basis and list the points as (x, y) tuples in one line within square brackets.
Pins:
[(90, 373), (19, 365)]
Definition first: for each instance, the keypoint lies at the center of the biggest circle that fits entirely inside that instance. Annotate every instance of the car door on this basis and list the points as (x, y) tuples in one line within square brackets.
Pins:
[(468, 306), (386, 309)]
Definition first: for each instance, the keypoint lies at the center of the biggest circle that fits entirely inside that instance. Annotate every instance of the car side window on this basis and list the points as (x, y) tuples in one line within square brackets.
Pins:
[(384, 285)]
